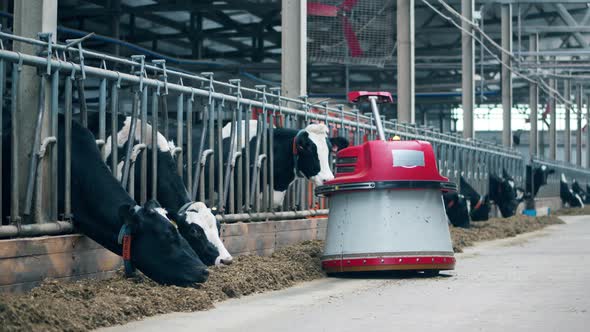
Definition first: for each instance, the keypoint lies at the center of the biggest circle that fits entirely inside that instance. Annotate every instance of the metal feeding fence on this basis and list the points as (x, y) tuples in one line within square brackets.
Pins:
[(79, 81), (351, 31)]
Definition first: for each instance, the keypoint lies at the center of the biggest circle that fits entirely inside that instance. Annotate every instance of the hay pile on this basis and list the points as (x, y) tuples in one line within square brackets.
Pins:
[(89, 304), (573, 211), (498, 228)]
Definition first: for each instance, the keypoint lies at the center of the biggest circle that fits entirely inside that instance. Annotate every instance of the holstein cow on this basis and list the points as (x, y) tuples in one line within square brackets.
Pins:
[(577, 189), (202, 230), (502, 191), (456, 209), (297, 153), (479, 205), (536, 178), (567, 195), (103, 211)]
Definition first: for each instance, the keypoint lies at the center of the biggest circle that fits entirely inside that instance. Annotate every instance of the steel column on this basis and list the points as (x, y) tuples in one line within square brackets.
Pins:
[(31, 17), (579, 92), (588, 131), (294, 48), (468, 68), (567, 144), (506, 75), (405, 61), (553, 121), (533, 100)]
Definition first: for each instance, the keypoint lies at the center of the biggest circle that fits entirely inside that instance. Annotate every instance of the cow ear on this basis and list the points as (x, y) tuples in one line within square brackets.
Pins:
[(339, 142)]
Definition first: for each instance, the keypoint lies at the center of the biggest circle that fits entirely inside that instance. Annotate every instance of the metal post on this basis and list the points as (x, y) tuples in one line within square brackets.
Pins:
[(115, 26), (553, 121), (30, 18), (294, 48), (579, 92), (468, 68), (567, 144), (533, 100), (405, 61), (373, 100), (506, 75), (588, 131)]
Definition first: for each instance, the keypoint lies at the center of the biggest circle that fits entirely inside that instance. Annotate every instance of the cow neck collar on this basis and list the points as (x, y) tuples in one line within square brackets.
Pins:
[(296, 154), (479, 203), (124, 239)]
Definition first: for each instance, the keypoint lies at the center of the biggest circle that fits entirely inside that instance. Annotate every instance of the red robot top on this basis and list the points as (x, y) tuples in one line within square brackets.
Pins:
[(386, 165)]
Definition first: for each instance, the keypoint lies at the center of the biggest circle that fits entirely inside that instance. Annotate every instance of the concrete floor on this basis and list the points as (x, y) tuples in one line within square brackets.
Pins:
[(535, 282)]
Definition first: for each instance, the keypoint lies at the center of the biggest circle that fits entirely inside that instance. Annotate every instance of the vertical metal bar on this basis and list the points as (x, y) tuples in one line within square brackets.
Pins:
[(179, 132), (579, 92), (54, 171), (468, 68), (219, 154), (239, 185), (588, 131), (567, 133), (35, 148), (228, 181), (533, 99), (2, 86), (271, 164), (143, 139), (68, 149), (82, 102), (211, 177), (114, 125), (102, 106), (130, 140), (189, 145), (14, 167), (198, 180), (164, 101), (248, 164), (506, 24), (553, 121), (154, 143), (405, 61)]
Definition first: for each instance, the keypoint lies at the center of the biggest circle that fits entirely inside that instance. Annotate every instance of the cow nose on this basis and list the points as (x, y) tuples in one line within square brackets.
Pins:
[(227, 261)]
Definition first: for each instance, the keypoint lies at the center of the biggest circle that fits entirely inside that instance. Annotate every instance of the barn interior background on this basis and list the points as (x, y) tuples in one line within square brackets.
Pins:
[(491, 84)]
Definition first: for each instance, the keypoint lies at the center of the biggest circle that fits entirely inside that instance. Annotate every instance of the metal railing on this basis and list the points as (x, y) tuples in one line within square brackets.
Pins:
[(144, 90)]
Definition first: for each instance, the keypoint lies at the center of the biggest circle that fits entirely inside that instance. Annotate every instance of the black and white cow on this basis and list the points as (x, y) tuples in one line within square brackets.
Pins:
[(457, 209), (297, 153), (567, 195), (577, 189), (479, 205), (536, 178), (503, 192), (101, 207), (171, 192)]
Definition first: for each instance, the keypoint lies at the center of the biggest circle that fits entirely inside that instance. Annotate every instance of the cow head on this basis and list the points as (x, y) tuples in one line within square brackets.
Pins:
[(479, 205), (158, 250), (456, 209), (313, 148), (504, 194), (200, 228), (538, 177)]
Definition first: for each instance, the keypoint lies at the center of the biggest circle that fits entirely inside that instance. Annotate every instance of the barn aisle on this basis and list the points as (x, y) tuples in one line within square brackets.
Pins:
[(534, 282)]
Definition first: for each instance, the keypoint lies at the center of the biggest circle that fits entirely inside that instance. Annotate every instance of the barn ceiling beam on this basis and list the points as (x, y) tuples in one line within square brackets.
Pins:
[(570, 21)]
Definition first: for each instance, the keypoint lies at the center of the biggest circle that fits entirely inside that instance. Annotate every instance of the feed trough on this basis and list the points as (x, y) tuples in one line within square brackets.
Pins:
[(386, 207)]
